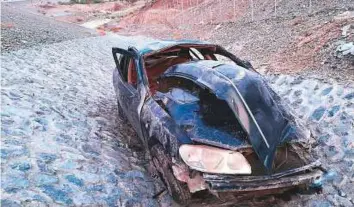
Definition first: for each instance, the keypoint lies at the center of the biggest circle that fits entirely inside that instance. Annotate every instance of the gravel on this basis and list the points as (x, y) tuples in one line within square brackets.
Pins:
[(22, 29)]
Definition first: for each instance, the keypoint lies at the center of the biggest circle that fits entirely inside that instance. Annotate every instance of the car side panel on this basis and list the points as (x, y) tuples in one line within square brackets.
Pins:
[(161, 126), (118, 87), (131, 102)]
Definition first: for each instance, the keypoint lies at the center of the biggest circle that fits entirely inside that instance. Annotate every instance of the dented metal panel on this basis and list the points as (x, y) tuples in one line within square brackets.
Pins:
[(246, 94), (161, 126), (244, 178), (161, 118), (184, 108)]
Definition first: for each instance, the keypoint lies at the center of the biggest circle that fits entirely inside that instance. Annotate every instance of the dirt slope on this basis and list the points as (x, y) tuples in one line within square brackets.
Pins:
[(277, 36), (287, 37)]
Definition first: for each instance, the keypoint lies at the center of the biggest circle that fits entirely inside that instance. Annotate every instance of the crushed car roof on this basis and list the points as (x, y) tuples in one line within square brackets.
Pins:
[(158, 45)]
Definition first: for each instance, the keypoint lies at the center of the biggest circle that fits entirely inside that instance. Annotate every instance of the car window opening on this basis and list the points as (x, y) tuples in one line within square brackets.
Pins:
[(157, 63), (128, 70), (132, 74)]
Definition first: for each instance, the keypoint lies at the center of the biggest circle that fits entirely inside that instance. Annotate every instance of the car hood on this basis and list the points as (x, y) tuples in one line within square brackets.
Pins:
[(258, 109)]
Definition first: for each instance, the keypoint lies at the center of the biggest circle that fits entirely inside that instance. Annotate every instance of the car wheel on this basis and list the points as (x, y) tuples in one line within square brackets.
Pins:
[(163, 164), (121, 114)]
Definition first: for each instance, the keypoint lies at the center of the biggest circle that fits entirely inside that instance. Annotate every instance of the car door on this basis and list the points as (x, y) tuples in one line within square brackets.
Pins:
[(129, 88)]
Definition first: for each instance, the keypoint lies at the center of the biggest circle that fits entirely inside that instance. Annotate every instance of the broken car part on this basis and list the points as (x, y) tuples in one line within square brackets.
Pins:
[(218, 119), (214, 160)]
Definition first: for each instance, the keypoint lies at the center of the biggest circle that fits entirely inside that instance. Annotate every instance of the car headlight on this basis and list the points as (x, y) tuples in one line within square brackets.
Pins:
[(214, 160)]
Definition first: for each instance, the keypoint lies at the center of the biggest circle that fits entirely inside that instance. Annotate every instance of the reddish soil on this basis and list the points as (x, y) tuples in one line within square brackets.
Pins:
[(77, 13), (289, 37), (179, 19), (303, 50)]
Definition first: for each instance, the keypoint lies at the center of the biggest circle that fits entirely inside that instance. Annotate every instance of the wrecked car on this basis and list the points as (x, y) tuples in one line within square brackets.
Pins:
[(210, 121)]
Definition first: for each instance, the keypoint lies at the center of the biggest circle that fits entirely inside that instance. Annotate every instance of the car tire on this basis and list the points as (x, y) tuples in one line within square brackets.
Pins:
[(163, 164), (121, 114)]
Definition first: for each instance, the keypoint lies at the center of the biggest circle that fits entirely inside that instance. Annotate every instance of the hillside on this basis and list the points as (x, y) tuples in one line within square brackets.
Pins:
[(277, 36), (304, 36)]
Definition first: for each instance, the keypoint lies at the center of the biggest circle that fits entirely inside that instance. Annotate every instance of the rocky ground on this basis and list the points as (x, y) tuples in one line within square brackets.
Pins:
[(61, 141), (328, 110), (63, 145)]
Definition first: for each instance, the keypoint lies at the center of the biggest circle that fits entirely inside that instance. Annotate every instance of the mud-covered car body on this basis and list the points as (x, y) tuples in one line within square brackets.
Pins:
[(178, 93)]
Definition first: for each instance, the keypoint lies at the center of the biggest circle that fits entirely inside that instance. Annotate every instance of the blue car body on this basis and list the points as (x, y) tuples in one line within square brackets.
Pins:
[(265, 122)]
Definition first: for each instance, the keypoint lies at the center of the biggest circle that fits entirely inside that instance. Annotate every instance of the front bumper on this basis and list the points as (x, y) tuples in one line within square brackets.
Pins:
[(290, 178)]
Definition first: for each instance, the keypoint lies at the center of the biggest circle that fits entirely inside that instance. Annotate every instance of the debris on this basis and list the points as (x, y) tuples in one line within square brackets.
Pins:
[(345, 30), (196, 183), (345, 15), (101, 32), (79, 19), (116, 7), (345, 49), (95, 23), (47, 6), (7, 25), (217, 27), (181, 172), (56, 110), (341, 193)]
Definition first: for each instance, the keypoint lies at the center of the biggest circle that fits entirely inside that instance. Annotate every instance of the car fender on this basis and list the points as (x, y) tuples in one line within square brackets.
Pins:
[(160, 126)]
